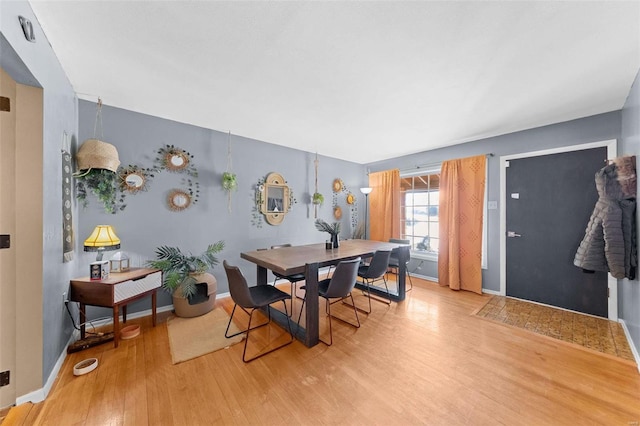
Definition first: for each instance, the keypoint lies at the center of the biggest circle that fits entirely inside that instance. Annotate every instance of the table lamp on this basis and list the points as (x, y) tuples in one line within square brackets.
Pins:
[(366, 192), (102, 238)]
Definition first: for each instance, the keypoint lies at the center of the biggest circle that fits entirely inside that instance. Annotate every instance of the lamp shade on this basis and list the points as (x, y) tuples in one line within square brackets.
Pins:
[(366, 190), (102, 238)]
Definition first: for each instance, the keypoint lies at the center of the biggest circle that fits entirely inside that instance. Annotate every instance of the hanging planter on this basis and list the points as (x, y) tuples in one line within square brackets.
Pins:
[(97, 166), (229, 181), (318, 199), (103, 184)]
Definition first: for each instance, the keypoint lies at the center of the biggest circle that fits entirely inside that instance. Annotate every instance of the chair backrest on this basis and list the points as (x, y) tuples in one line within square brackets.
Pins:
[(238, 286), (280, 246), (343, 279), (378, 265), (394, 252), (398, 241)]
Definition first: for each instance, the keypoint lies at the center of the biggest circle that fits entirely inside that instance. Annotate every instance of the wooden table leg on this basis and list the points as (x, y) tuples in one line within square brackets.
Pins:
[(261, 275), (403, 259), (124, 314), (116, 326), (83, 320), (312, 317), (153, 306)]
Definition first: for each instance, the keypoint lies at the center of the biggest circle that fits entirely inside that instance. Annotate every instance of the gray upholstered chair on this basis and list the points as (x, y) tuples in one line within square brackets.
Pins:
[(376, 270), (293, 279), (339, 287), (249, 299), (394, 262)]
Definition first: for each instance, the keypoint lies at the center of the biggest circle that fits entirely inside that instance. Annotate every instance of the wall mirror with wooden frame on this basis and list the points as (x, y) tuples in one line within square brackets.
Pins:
[(134, 178), (176, 160), (274, 198)]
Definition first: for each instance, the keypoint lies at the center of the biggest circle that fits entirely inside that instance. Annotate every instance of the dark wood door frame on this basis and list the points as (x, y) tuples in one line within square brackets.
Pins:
[(611, 146)]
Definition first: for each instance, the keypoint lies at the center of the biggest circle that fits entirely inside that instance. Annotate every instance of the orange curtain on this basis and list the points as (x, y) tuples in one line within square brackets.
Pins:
[(384, 205), (461, 209)]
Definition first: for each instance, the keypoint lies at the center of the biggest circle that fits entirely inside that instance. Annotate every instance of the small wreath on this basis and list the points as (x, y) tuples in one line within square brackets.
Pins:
[(351, 198), (337, 212), (337, 185), (178, 200)]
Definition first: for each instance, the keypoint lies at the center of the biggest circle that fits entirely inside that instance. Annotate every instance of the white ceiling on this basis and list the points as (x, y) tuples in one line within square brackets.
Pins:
[(361, 81)]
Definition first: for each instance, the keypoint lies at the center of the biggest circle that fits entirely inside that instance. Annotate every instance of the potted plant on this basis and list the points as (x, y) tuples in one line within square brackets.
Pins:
[(103, 184), (185, 276), (333, 230), (318, 198), (229, 181)]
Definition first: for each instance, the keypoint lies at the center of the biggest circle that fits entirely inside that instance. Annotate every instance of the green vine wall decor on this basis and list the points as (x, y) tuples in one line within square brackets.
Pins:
[(177, 160)]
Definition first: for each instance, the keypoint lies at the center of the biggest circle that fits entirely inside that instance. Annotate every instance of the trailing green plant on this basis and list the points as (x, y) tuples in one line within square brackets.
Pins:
[(318, 198), (229, 181), (178, 268), (332, 229), (103, 184)]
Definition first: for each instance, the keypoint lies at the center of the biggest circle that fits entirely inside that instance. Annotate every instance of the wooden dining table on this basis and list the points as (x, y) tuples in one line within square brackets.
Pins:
[(308, 259)]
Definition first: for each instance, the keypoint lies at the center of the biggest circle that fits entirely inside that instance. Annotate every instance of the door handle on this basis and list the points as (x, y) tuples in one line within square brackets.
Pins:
[(511, 234)]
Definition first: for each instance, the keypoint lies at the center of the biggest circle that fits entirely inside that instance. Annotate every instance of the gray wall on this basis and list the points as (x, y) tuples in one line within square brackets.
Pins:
[(589, 129), (147, 222), (38, 63), (629, 291)]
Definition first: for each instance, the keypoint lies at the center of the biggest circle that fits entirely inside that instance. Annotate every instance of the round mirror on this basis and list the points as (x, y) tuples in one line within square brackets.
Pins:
[(134, 181), (179, 200), (176, 160)]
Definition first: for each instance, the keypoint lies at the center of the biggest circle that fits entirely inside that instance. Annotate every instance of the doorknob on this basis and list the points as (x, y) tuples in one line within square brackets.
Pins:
[(512, 234)]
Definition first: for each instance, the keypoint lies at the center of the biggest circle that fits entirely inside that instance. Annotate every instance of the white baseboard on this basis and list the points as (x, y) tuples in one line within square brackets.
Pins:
[(493, 292), (424, 277), (632, 345), (40, 394)]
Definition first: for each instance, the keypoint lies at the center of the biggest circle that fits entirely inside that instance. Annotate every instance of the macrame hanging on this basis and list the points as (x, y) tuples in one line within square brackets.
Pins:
[(317, 199), (229, 182), (315, 162)]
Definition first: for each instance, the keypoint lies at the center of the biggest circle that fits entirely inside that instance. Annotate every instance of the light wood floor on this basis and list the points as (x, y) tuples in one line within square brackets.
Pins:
[(427, 360)]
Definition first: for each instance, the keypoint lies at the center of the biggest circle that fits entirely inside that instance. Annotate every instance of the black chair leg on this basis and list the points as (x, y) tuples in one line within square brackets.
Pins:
[(410, 282), (368, 292), (244, 352), (246, 330)]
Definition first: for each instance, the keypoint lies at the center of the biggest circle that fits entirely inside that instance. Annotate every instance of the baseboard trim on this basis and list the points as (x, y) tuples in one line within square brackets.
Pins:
[(39, 395), (424, 277), (492, 292), (632, 345)]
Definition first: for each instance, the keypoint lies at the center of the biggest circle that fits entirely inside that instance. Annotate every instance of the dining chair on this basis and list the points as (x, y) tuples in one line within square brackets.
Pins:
[(394, 261), (293, 279), (375, 271), (249, 299), (339, 287)]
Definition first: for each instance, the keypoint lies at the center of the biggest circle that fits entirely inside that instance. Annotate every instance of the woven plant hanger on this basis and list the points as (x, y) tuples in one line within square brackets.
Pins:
[(96, 154)]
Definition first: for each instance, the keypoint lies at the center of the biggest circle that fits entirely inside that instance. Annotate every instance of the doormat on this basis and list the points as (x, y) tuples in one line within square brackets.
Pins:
[(595, 333), (193, 337)]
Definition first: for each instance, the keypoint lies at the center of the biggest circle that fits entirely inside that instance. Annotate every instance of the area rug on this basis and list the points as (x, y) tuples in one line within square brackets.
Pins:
[(193, 337), (595, 333)]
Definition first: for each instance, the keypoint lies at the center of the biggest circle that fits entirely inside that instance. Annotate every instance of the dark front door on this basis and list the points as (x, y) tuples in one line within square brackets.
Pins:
[(549, 200)]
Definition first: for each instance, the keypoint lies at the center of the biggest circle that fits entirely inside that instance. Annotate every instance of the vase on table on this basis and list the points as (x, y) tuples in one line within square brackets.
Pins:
[(335, 240)]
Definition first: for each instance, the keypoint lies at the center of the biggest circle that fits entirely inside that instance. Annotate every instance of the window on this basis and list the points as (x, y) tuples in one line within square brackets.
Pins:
[(419, 203)]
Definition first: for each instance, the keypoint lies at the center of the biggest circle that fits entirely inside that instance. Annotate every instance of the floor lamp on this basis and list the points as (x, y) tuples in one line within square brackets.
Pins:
[(366, 192)]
